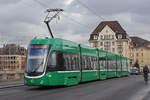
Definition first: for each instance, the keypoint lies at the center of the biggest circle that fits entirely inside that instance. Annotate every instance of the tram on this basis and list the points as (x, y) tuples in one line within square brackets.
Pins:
[(55, 61)]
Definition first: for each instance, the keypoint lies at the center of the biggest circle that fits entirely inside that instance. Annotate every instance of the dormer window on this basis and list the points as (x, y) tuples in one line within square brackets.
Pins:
[(119, 36), (95, 37), (106, 31), (101, 37), (112, 36)]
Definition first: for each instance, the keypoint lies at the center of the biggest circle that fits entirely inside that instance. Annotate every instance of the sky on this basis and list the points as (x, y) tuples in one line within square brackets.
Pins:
[(22, 20)]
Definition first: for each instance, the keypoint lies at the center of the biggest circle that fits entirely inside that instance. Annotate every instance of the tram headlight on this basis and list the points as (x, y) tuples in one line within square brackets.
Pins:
[(31, 80), (41, 82)]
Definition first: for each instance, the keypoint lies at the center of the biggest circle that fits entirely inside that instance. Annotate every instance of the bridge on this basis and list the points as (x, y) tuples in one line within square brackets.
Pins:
[(126, 88)]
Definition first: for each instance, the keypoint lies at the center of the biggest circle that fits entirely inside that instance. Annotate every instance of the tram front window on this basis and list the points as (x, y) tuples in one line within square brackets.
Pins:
[(36, 58)]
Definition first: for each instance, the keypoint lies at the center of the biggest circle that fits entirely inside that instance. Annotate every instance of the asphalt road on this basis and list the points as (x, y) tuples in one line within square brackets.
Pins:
[(126, 88)]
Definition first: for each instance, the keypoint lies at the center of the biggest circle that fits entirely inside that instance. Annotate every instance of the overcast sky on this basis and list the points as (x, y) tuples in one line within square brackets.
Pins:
[(22, 20)]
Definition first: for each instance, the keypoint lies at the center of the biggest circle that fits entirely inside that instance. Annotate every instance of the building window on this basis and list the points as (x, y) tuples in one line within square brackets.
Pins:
[(141, 54), (109, 36), (112, 36), (113, 43), (106, 31), (107, 49), (95, 44), (142, 60), (120, 43), (113, 49), (120, 50), (119, 36), (95, 37), (101, 48), (106, 37), (106, 44), (101, 37), (137, 54), (101, 43)]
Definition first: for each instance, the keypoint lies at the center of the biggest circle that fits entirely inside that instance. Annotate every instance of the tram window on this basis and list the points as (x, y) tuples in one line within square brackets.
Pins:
[(89, 62), (109, 64), (83, 62), (69, 60), (124, 65), (78, 63), (112, 64), (102, 63), (73, 63), (66, 62), (56, 61), (60, 61), (119, 64), (52, 59), (92, 63), (95, 64)]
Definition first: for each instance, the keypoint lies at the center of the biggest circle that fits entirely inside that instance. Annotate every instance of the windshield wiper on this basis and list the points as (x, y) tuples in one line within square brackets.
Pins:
[(36, 68)]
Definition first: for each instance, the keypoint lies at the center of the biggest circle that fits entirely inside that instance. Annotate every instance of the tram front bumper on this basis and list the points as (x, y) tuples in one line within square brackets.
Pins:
[(36, 81)]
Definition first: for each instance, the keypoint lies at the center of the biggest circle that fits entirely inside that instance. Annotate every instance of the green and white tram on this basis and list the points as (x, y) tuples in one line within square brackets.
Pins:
[(55, 61)]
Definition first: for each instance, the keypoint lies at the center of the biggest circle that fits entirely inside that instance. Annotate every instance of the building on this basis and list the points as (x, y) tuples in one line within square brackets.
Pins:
[(12, 49), (12, 58), (110, 36), (1, 51), (140, 52), (14, 63)]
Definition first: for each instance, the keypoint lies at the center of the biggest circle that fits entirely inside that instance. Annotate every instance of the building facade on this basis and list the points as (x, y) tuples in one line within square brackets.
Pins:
[(110, 36), (140, 52), (12, 58), (12, 49), (14, 63)]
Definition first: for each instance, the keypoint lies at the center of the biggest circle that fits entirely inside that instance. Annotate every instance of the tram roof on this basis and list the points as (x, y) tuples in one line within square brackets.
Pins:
[(64, 42)]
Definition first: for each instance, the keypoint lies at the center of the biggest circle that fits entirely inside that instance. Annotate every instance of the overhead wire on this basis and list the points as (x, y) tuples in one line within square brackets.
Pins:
[(71, 19), (92, 11), (77, 22)]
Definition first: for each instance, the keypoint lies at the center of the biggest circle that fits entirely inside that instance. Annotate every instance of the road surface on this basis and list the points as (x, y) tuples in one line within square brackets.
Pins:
[(126, 88)]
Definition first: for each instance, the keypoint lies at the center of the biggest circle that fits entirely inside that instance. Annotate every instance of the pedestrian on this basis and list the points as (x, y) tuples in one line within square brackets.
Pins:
[(145, 71)]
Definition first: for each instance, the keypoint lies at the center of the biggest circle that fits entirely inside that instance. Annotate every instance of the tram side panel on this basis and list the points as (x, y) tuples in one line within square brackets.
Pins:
[(89, 64)]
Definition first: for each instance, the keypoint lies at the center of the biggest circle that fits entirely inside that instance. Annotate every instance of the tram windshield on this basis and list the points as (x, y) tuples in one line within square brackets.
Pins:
[(36, 58)]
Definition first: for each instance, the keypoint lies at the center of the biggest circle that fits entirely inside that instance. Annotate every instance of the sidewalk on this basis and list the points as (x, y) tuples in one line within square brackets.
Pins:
[(11, 84)]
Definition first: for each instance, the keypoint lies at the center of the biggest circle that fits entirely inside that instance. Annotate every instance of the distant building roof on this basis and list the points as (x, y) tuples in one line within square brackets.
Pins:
[(139, 42), (114, 25), (12, 49)]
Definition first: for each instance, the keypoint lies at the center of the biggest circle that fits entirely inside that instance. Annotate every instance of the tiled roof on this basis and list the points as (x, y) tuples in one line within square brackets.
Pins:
[(139, 42), (114, 25)]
